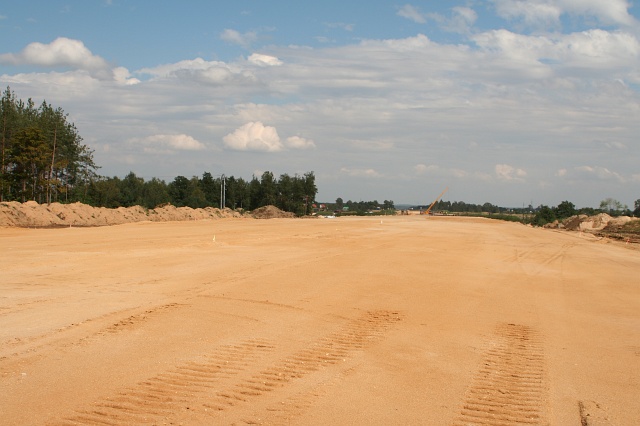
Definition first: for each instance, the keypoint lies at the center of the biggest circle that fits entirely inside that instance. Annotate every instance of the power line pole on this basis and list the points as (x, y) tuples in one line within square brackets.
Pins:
[(223, 191)]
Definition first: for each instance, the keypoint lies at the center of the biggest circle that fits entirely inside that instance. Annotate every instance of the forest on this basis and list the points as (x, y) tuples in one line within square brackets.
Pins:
[(43, 159)]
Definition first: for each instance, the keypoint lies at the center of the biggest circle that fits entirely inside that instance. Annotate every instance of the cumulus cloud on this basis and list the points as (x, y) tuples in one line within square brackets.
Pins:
[(123, 76), (235, 37), (254, 136), (264, 60), (600, 173), (366, 173), (296, 142), (164, 143), (199, 70), (547, 13), (62, 52), (421, 169), (461, 20), (342, 25), (593, 50), (509, 173), (412, 13)]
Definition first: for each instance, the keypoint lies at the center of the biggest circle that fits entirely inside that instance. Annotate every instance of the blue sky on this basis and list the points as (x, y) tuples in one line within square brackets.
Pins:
[(504, 101)]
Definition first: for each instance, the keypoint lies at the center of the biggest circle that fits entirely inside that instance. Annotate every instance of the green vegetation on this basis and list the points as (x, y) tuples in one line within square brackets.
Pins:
[(289, 193), (42, 157), (361, 208)]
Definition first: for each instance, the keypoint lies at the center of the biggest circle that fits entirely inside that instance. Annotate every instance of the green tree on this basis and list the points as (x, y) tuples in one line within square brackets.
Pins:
[(211, 189), (543, 216), (28, 162), (132, 190), (564, 210), (611, 206), (268, 190), (195, 196), (179, 191), (104, 192), (155, 193)]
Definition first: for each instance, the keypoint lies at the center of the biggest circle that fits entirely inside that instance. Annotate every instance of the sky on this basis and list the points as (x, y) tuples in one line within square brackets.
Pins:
[(511, 102)]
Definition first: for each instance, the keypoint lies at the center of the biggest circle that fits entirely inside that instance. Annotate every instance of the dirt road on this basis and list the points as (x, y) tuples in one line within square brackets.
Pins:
[(404, 320)]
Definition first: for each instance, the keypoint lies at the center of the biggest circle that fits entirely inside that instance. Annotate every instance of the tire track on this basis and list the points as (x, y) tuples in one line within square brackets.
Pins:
[(327, 352), (164, 395), (509, 388), (235, 377), (63, 337)]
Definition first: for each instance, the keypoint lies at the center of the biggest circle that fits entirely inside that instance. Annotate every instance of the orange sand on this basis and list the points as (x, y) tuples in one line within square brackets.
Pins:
[(404, 320)]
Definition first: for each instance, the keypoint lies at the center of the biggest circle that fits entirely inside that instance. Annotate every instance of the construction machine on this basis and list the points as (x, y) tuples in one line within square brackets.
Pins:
[(427, 211)]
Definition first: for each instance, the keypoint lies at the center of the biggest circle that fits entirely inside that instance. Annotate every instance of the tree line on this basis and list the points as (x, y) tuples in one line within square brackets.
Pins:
[(541, 215), (293, 194), (42, 157)]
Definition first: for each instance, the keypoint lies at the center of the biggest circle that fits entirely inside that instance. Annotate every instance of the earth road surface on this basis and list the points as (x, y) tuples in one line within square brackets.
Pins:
[(402, 320)]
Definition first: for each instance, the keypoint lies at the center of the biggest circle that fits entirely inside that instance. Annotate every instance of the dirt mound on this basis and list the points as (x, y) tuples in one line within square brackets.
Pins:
[(34, 215), (270, 212)]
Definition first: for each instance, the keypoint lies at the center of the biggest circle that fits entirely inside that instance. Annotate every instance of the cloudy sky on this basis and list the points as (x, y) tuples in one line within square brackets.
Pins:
[(510, 102)]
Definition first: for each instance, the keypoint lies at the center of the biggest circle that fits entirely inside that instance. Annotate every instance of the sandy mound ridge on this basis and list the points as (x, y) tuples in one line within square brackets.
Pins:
[(590, 223), (270, 212), (32, 214)]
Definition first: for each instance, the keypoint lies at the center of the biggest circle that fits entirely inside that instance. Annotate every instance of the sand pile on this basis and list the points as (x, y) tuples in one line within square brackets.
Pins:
[(270, 212), (32, 214), (593, 223)]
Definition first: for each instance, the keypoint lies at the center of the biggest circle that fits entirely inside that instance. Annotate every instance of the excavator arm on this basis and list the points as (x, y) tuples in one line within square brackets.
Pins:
[(436, 200)]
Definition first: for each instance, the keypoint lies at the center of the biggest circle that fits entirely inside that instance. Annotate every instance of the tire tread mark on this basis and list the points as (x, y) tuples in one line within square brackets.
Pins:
[(162, 395), (509, 388), (327, 352)]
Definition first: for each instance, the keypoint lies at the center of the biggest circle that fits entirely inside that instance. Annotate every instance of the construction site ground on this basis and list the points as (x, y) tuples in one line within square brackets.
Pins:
[(404, 320)]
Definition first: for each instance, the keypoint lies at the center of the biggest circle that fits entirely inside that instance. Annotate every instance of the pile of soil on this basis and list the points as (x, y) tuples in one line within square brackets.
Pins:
[(622, 228), (270, 212), (595, 223), (34, 215)]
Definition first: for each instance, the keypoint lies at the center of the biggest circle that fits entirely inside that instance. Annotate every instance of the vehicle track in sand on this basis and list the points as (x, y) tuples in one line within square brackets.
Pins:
[(509, 388), (235, 375)]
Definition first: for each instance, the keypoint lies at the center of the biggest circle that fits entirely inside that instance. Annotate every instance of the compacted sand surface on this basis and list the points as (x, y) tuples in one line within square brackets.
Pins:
[(404, 320)]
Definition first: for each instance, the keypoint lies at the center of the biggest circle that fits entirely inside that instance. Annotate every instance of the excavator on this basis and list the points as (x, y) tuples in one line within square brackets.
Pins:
[(427, 211)]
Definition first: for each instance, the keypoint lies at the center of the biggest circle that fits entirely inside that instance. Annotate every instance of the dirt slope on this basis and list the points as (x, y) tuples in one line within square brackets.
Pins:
[(34, 215), (406, 321)]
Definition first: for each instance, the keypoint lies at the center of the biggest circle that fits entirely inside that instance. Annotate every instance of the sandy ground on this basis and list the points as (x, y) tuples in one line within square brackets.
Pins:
[(407, 321)]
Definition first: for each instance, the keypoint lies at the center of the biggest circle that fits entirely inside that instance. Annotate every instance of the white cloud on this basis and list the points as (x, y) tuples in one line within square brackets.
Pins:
[(548, 12), (342, 25), (235, 37), (201, 71), (593, 50), (412, 13), (509, 173), (421, 169), (296, 142), (123, 76), (601, 173), (366, 173), (62, 52), (264, 60), (461, 20), (164, 143), (561, 173), (254, 136)]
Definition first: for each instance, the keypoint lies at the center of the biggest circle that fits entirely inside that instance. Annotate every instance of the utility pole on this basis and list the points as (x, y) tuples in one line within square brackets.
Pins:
[(223, 191)]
